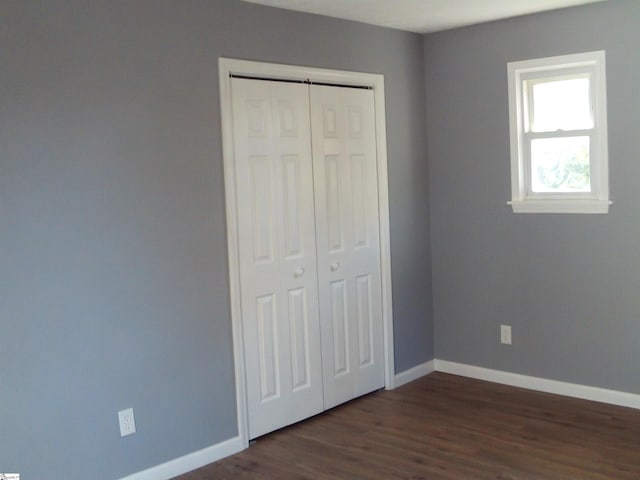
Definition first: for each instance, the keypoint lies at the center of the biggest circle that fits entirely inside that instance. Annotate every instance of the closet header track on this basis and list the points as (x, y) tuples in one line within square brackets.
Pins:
[(307, 81)]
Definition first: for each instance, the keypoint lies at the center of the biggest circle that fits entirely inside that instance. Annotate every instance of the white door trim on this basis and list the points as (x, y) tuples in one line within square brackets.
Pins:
[(228, 67)]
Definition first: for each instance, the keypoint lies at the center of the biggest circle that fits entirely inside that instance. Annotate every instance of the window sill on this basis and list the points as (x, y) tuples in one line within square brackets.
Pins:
[(560, 206)]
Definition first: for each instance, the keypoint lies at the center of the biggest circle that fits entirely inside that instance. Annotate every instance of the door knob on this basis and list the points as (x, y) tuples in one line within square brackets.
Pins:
[(335, 266), (298, 272)]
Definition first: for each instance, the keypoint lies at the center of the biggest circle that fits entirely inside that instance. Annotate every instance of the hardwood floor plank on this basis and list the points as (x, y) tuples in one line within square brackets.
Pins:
[(444, 427)]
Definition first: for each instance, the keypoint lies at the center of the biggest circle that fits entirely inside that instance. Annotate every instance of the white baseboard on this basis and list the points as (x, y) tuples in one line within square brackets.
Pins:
[(179, 466), (413, 373), (585, 392)]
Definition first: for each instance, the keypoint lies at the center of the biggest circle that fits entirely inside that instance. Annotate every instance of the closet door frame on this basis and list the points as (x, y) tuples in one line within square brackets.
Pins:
[(228, 67)]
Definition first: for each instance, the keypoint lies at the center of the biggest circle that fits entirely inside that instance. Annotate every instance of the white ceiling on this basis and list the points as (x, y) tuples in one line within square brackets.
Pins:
[(422, 16)]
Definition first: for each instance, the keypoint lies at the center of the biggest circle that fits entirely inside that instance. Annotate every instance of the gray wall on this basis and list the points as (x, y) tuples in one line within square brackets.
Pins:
[(568, 284), (113, 264)]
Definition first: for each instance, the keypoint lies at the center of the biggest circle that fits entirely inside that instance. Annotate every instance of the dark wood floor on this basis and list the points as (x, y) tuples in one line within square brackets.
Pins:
[(448, 427)]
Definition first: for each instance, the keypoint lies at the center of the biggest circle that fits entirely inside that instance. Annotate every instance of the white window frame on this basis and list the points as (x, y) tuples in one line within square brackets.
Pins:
[(523, 75)]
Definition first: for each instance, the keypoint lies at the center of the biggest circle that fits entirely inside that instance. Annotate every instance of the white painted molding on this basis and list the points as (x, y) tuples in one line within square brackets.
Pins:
[(179, 466), (228, 66), (414, 373), (560, 206), (523, 199), (575, 390), (224, 69)]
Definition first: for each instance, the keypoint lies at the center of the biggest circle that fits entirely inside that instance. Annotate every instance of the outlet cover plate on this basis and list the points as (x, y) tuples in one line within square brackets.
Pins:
[(127, 422), (505, 334)]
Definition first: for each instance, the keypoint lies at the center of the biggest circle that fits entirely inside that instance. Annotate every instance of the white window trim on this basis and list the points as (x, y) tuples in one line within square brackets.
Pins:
[(524, 201)]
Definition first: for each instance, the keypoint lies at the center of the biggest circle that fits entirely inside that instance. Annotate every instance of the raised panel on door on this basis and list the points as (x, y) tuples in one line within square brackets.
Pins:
[(347, 232), (276, 237)]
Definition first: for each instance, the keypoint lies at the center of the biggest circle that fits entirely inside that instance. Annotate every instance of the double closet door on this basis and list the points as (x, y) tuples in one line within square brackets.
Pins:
[(309, 248)]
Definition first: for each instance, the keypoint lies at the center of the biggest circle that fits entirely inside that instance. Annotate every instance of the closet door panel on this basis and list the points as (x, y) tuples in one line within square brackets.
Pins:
[(298, 278), (277, 252), (347, 232)]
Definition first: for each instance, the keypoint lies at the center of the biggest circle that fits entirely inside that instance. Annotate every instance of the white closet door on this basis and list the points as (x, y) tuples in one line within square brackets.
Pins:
[(276, 228), (347, 226)]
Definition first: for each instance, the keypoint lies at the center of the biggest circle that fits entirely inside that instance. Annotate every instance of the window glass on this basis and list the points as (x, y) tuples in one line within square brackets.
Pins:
[(560, 165), (561, 105)]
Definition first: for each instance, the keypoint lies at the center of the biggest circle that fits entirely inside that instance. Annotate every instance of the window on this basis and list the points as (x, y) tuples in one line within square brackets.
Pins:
[(558, 127)]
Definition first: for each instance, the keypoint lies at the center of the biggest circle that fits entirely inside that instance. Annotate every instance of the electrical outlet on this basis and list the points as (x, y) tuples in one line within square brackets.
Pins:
[(505, 334), (127, 422)]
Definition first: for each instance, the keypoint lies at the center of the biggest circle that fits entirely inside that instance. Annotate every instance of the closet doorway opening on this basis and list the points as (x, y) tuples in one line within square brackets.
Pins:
[(324, 285)]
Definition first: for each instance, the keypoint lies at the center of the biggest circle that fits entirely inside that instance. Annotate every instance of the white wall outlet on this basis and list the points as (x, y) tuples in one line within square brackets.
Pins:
[(127, 422), (505, 334)]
